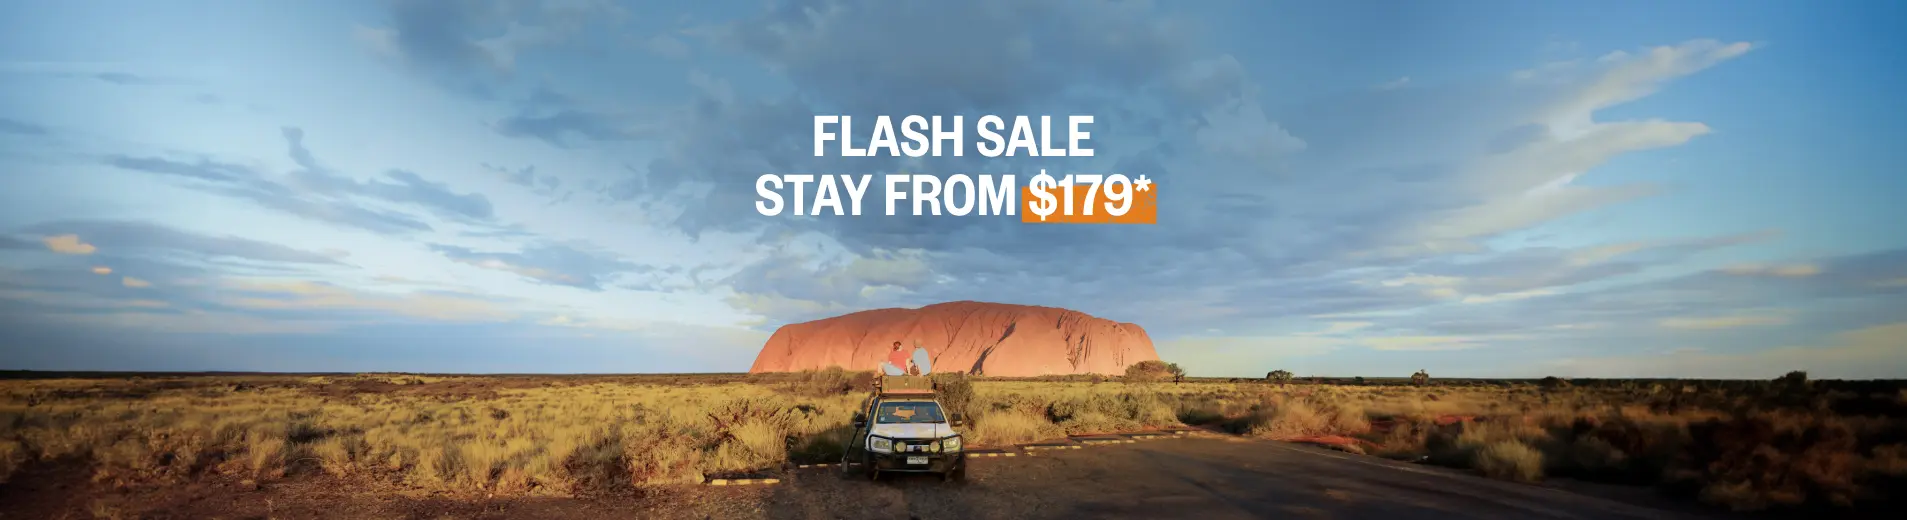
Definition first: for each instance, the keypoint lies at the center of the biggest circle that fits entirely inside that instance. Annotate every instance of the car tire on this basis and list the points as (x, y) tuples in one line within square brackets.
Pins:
[(867, 465), (958, 474)]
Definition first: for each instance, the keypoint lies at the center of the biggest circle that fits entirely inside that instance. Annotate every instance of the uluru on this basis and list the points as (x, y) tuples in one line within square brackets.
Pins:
[(980, 338)]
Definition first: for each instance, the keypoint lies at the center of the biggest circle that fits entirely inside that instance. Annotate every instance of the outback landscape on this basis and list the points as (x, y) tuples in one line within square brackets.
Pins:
[(159, 445)]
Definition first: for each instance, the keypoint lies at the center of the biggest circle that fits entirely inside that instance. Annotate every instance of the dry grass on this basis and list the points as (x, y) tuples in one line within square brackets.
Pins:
[(1510, 460), (1742, 445)]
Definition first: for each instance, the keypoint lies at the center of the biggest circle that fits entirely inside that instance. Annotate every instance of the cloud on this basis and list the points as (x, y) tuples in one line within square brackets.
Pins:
[(102, 270), (68, 245), (147, 237), (1508, 296), (1372, 180), (527, 177), (1422, 343), (1724, 322), (1338, 327), (1789, 271), (295, 295), (793, 285), (1866, 353), (667, 46), (128, 79), (562, 128), (135, 283), (471, 46), (18, 127), (555, 264), (315, 192), (1621, 76)]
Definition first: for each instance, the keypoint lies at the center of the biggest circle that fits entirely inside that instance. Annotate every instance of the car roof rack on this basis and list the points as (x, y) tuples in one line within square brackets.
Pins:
[(886, 385)]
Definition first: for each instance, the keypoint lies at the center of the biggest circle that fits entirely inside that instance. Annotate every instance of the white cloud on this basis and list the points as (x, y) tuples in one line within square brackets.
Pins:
[(306, 295), (190, 322), (1724, 322), (1508, 296), (134, 282), (1872, 352), (1620, 77), (1422, 343), (102, 270), (1782, 271), (68, 245), (1338, 327)]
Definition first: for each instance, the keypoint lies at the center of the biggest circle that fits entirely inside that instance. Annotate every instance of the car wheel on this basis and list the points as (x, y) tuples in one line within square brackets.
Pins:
[(867, 465), (958, 474)]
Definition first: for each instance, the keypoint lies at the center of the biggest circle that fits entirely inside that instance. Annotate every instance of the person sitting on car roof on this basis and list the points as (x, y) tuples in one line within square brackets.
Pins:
[(897, 362)]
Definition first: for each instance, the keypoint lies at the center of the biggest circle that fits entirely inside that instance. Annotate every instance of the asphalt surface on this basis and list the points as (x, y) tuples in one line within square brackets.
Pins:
[(1204, 478)]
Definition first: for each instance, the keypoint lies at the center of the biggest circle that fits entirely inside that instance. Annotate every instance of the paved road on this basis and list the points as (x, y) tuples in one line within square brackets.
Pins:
[(1204, 478)]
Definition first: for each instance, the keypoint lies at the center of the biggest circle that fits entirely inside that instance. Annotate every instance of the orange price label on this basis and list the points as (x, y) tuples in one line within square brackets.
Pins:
[(1089, 199)]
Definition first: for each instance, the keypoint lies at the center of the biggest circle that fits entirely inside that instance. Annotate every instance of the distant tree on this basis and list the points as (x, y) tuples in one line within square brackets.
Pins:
[(1178, 374), (1149, 370), (1794, 378), (1793, 382), (1422, 377), (1278, 376), (1359, 380), (1554, 383)]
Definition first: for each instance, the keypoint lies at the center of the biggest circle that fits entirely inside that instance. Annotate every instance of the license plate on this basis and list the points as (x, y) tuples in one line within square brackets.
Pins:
[(917, 460)]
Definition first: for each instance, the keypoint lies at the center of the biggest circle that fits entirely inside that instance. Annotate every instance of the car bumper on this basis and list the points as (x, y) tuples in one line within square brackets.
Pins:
[(936, 462)]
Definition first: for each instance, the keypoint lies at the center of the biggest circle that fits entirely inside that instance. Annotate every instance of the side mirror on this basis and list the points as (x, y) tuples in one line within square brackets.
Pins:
[(957, 420), (860, 419)]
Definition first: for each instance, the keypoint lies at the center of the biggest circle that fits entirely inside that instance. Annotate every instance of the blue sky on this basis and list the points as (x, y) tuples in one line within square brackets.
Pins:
[(1485, 189)]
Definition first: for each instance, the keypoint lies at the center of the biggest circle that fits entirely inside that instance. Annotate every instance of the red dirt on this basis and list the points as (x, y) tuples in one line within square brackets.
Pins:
[(1334, 441)]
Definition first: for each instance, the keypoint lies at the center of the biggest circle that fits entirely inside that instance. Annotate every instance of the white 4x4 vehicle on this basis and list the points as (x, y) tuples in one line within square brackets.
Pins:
[(903, 428)]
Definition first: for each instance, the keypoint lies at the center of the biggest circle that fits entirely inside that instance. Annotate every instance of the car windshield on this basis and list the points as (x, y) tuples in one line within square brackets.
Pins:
[(893, 412)]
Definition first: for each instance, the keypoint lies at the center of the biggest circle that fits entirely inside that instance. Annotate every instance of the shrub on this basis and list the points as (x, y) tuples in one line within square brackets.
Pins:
[(1148, 370), (955, 392), (1754, 462), (1000, 427), (1278, 376), (1420, 378), (1510, 460), (828, 381)]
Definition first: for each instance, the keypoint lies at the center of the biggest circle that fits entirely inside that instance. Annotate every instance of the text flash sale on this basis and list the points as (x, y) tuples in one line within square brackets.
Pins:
[(1075, 198)]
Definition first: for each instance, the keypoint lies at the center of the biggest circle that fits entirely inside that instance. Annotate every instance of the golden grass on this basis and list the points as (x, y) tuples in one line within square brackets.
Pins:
[(555, 436), (1510, 460)]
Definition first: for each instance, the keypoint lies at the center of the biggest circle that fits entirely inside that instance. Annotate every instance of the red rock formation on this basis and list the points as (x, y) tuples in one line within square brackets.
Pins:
[(994, 339)]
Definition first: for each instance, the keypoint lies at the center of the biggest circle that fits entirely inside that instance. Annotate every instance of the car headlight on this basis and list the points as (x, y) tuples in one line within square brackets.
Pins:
[(950, 444), (880, 444)]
